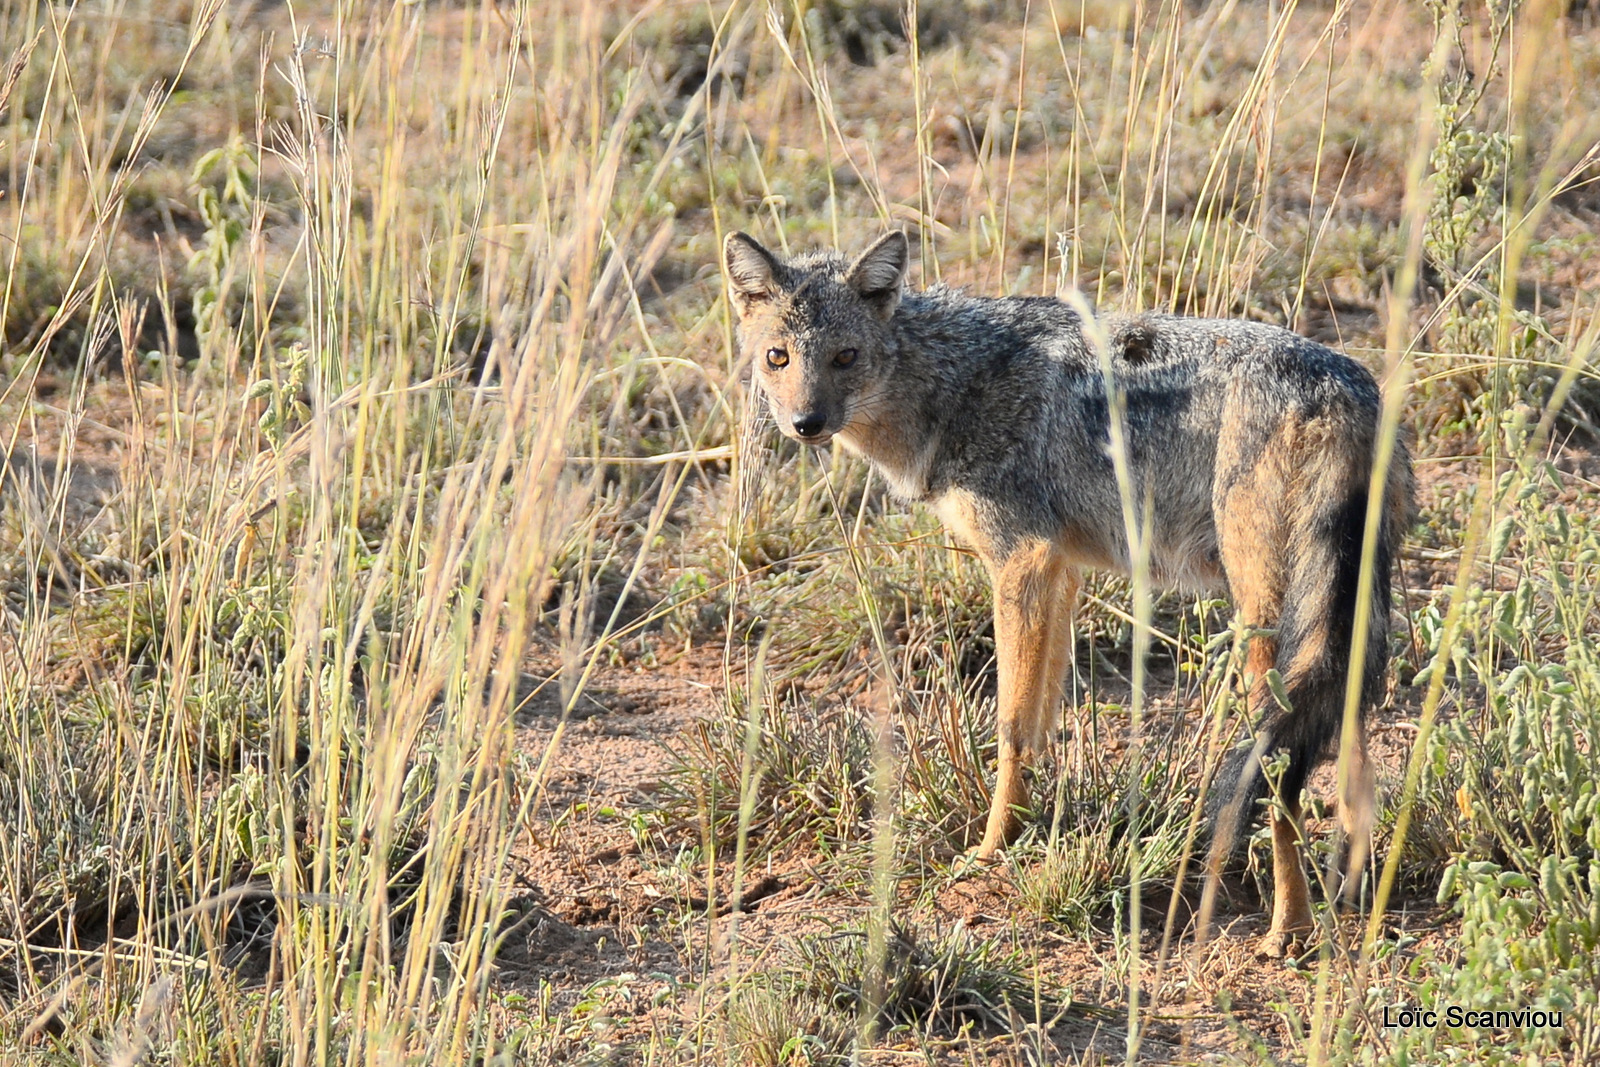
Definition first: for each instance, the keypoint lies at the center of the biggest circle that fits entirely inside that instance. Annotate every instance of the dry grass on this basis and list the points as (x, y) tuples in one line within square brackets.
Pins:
[(365, 369)]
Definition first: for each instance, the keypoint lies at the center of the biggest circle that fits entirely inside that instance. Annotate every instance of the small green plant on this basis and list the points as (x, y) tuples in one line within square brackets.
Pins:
[(811, 780), (1078, 878), (771, 1024), (224, 180), (285, 408)]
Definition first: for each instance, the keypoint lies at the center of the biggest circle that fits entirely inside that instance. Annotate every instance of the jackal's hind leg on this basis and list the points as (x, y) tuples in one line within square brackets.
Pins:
[(1291, 893), (1251, 537)]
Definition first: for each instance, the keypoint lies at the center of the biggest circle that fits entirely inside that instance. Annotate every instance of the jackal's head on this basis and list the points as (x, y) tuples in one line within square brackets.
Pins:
[(817, 329)]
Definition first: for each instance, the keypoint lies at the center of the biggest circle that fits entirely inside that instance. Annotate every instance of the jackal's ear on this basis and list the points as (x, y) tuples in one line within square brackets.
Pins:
[(879, 273), (752, 271)]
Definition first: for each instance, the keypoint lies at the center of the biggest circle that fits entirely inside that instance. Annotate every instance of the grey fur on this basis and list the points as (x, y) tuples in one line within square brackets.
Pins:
[(1003, 396)]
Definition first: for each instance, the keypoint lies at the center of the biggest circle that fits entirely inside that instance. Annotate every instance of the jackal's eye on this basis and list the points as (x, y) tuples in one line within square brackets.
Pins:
[(777, 358), (844, 357)]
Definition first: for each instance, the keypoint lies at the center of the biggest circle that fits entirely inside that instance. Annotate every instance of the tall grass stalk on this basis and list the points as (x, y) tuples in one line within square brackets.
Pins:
[(1137, 532)]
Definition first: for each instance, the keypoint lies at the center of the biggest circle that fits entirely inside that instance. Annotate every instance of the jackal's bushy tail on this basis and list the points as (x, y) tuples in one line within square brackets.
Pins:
[(1323, 575)]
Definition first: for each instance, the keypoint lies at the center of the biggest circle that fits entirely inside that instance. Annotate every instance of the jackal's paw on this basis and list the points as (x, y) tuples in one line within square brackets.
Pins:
[(1284, 944), (979, 857)]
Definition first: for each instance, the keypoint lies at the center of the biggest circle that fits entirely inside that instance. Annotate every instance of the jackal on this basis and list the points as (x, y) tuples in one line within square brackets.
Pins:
[(1252, 449)]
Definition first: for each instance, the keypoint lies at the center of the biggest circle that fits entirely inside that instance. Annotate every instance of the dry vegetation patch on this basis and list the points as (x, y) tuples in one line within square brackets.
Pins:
[(414, 646)]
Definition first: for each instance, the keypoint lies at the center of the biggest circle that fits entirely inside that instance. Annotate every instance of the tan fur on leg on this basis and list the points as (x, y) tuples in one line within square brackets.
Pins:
[(1066, 600), (1029, 615), (1291, 897)]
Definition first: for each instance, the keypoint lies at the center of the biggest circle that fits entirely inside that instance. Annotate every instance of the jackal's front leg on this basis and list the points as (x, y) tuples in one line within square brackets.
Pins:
[(1033, 594)]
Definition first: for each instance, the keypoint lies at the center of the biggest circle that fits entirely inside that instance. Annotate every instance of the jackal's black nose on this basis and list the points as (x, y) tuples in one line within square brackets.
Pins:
[(809, 424)]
